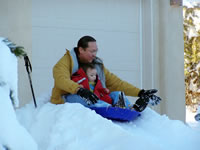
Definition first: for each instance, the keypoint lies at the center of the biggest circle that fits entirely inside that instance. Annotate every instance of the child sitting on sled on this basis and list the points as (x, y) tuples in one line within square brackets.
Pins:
[(88, 78)]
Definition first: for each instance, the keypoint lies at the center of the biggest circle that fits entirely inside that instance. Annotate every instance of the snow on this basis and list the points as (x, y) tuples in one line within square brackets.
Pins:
[(193, 30), (12, 135), (190, 3), (74, 127), (191, 120), (197, 20), (8, 70)]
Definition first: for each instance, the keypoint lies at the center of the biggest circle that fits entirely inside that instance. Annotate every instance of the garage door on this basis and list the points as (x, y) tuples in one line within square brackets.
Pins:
[(115, 24)]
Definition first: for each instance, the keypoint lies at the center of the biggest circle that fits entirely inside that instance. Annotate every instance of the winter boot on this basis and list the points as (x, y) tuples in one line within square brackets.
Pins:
[(120, 103)]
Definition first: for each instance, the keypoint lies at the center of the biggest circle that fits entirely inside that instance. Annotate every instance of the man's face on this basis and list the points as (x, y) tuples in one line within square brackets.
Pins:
[(87, 55), (91, 73)]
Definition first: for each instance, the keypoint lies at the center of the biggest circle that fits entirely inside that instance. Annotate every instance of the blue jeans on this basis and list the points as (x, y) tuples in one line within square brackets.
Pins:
[(74, 98)]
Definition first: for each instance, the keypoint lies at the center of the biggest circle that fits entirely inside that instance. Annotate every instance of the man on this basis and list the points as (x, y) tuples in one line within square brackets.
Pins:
[(66, 90)]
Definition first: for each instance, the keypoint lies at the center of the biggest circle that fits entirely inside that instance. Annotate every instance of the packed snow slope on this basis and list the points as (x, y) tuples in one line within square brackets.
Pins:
[(74, 127)]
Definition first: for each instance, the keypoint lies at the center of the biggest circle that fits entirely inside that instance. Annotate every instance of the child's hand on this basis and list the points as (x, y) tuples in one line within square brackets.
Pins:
[(107, 90)]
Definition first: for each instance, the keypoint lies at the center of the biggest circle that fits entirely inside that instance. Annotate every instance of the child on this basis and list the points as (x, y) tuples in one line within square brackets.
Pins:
[(88, 78)]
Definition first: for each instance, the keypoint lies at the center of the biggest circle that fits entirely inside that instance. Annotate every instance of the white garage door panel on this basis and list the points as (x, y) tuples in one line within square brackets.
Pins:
[(91, 14), (115, 24), (43, 83), (120, 50), (116, 53), (129, 76)]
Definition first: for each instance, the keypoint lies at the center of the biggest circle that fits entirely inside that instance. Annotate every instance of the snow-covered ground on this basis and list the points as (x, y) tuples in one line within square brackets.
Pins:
[(13, 136), (191, 120), (74, 127)]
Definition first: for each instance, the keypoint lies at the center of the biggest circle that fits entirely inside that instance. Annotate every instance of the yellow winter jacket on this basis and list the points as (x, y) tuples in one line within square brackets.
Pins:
[(63, 84)]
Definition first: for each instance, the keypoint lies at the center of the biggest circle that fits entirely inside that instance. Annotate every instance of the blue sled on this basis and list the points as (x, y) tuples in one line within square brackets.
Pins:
[(116, 113)]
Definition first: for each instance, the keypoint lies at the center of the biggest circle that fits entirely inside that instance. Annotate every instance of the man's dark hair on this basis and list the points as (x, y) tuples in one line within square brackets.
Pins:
[(83, 42)]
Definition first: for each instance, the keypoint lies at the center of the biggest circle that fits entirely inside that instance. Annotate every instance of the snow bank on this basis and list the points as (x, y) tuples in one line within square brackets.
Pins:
[(12, 134), (8, 70), (74, 127)]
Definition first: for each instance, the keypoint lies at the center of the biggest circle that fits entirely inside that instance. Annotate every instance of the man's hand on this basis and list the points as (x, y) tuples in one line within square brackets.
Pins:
[(149, 94), (88, 96), (141, 104), (154, 100)]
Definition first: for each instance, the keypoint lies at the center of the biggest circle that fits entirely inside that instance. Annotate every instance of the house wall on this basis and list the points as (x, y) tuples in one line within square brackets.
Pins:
[(171, 58), (160, 44), (15, 24), (117, 33), (163, 56)]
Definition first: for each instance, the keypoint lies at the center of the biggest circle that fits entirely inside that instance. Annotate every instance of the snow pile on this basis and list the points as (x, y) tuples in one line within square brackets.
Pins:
[(190, 119), (12, 135), (8, 71), (72, 126)]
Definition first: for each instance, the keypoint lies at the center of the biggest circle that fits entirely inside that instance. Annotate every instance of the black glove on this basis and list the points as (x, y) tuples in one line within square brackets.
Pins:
[(88, 96), (147, 93), (154, 100), (141, 104), (146, 97)]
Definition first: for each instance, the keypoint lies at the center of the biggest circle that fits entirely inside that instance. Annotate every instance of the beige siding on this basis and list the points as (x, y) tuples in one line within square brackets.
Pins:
[(15, 24), (141, 41), (115, 24)]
